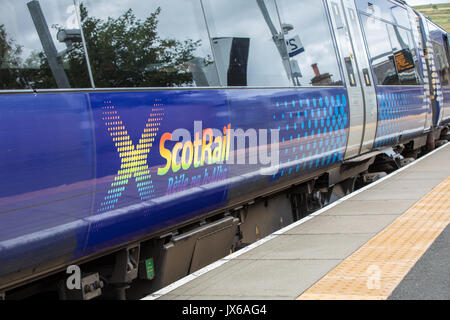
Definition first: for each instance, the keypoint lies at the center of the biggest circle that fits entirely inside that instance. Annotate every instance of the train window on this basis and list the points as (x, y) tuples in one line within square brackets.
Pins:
[(405, 56), (358, 43), (392, 52), (158, 43), (399, 16), (439, 42), (442, 63), (396, 38), (380, 51), (247, 42), (386, 10), (41, 46), (309, 42), (414, 49)]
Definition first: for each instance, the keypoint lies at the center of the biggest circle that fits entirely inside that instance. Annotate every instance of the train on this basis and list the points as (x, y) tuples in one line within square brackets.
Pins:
[(141, 141)]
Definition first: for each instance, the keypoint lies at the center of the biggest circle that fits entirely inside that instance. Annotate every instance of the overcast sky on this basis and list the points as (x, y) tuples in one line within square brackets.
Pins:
[(422, 2)]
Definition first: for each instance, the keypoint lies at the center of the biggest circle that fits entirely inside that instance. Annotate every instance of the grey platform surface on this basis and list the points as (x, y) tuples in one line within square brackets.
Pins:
[(290, 263)]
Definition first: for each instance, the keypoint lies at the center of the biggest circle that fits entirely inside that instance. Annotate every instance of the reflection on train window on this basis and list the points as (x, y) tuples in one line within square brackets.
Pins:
[(247, 43), (442, 63), (358, 41), (405, 56), (415, 58), (40, 45), (309, 43), (158, 43), (392, 53), (400, 16), (386, 10), (380, 51), (439, 41)]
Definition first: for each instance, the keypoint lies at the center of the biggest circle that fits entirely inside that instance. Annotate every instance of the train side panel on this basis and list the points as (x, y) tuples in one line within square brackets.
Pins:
[(47, 159), (88, 171), (401, 115)]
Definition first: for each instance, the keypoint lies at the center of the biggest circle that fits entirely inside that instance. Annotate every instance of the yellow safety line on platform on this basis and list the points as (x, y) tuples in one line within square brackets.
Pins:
[(377, 268)]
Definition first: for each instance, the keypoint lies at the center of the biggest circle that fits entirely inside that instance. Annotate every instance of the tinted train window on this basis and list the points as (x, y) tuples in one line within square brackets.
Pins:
[(247, 42), (400, 16), (158, 43), (385, 10), (392, 53), (442, 63), (380, 51), (405, 56), (309, 43), (439, 41), (40, 45), (414, 49)]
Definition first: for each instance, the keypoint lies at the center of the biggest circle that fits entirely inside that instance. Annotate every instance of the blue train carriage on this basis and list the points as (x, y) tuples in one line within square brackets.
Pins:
[(137, 152), (437, 47)]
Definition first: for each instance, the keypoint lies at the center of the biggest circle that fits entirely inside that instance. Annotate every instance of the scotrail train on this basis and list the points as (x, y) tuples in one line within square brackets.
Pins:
[(140, 141)]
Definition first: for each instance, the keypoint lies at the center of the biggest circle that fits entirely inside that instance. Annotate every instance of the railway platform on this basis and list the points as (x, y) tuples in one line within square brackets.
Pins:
[(389, 240)]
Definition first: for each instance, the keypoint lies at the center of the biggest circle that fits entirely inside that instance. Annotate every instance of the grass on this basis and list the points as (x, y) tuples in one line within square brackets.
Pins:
[(438, 13)]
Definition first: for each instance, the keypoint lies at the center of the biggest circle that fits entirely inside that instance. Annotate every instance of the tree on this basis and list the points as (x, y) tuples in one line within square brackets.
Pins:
[(9, 61), (16, 73), (123, 52), (127, 52)]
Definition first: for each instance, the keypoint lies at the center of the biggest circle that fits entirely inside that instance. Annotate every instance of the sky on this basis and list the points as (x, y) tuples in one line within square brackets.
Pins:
[(422, 2)]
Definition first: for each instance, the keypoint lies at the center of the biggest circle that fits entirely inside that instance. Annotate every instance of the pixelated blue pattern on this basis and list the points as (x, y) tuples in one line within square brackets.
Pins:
[(397, 112), (391, 109), (313, 132), (446, 105)]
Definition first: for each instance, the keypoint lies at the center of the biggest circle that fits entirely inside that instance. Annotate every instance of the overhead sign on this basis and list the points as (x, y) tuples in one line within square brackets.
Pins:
[(294, 46)]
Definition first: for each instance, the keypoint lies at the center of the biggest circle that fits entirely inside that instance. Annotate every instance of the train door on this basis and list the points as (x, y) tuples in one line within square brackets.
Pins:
[(361, 90), (436, 94), (420, 41), (367, 82)]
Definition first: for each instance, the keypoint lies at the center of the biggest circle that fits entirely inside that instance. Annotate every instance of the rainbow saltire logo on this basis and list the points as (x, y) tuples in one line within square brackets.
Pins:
[(133, 158)]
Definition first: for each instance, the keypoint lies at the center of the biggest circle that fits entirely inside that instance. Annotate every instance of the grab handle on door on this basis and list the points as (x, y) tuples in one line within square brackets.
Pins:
[(367, 77), (350, 72)]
